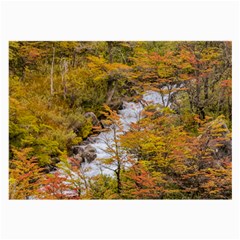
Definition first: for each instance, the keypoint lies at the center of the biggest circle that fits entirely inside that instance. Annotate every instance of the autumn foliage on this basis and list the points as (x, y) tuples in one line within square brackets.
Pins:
[(179, 148)]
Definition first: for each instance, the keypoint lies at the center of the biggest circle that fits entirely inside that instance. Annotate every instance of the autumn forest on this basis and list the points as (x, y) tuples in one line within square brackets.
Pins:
[(120, 120)]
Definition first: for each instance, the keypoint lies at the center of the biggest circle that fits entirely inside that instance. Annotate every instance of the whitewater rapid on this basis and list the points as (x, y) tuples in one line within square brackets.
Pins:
[(131, 113)]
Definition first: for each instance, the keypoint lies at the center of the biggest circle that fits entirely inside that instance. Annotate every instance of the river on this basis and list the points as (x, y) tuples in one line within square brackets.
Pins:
[(131, 113)]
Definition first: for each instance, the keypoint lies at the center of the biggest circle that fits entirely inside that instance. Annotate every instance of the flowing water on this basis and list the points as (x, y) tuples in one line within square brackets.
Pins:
[(130, 113)]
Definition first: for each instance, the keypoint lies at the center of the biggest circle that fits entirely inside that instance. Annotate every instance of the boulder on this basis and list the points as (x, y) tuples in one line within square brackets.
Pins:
[(89, 148), (84, 153), (89, 153), (77, 150), (79, 158)]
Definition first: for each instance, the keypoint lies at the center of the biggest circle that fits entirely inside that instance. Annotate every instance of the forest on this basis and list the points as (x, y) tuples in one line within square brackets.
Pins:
[(129, 120)]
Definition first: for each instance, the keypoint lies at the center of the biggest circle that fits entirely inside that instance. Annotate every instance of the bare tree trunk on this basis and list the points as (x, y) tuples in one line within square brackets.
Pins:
[(51, 81), (229, 108), (111, 92), (64, 67), (169, 87), (190, 100), (119, 184), (206, 89), (198, 90), (118, 170), (110, 47), (163, 101)]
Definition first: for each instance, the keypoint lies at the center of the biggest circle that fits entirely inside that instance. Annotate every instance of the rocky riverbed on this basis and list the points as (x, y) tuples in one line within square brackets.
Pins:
[(95, 148)]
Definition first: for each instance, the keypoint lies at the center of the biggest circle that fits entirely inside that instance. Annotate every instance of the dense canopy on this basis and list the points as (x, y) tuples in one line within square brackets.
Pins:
[(64, 94)]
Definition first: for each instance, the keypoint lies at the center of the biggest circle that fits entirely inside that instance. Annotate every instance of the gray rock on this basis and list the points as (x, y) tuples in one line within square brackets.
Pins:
[(77, 150), (89, 157), (79, 158), (84, 153), (90, 148), (89, 153)]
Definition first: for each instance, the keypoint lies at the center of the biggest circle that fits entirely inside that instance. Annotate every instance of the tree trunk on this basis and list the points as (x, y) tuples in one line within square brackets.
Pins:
[(206, 89), (63, 73), (229, 109), (111, 91), (110, 47), (51, 81), (197, 96), (119, 185)]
